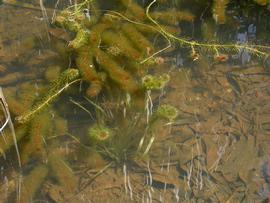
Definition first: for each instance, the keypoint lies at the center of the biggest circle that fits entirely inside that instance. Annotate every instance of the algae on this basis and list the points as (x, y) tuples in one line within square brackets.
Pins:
[(62, 173), (39, 129), (32, 182)]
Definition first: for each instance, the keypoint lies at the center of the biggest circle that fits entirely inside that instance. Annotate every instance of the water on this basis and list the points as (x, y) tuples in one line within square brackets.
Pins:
[(121, 131)]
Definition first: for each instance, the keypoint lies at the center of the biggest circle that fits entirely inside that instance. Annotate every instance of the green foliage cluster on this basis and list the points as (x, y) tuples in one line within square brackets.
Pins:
[(167, 112), (151, 82), (99, 133)]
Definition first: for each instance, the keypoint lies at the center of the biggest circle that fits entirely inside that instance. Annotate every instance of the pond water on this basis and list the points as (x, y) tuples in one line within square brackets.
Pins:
[(134, 101)]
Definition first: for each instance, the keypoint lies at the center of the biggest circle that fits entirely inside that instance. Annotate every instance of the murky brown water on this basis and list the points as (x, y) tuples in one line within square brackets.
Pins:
[(215, 150)]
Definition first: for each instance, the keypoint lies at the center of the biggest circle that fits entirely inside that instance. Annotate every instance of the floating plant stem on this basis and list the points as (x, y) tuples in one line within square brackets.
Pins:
[(66, 79), (255, 49), (158, 52)]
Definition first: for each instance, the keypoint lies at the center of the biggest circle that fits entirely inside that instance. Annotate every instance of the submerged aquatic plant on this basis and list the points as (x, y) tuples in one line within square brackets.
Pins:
[(67, 78), (99, 133), (167, 112), (151, 82), (219, 9), (195, 46), (112, 50), (262, 2)]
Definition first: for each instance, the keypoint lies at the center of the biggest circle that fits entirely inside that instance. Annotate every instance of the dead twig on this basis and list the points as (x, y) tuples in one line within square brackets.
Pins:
[(8, 121)]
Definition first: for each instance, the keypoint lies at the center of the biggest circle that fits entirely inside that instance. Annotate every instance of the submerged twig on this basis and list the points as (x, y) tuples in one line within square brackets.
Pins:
[(95, 176), (95, 105), (83, 108), (9, 122)]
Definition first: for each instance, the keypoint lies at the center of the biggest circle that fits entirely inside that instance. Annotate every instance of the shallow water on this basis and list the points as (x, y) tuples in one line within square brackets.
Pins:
[(215, 150)]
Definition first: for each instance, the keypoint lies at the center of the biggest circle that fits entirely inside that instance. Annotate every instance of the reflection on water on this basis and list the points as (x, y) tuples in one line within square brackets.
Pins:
[(99, 118)]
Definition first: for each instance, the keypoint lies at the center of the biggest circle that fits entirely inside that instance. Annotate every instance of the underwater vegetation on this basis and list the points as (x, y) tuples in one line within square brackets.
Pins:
[(65, 79), (219, 9), (105, 42), (114, 56), (99, 133), (151, 82), (262, 2)]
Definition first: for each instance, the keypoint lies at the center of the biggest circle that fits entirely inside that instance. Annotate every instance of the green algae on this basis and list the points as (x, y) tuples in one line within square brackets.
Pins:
[(8, 142), (39, 130), (32, 182), (62, 172)]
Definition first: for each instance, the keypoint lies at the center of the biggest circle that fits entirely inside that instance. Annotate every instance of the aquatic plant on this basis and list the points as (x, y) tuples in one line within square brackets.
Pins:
[(99, 133), (195, 46), (67, 78), (32, 182), (151, 82), (62, 172), (219, 9), (262, 2), (8, 142), (110, 39), (111, 50), (167, 112), (39, 129), (104, 40), (122, 147)]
